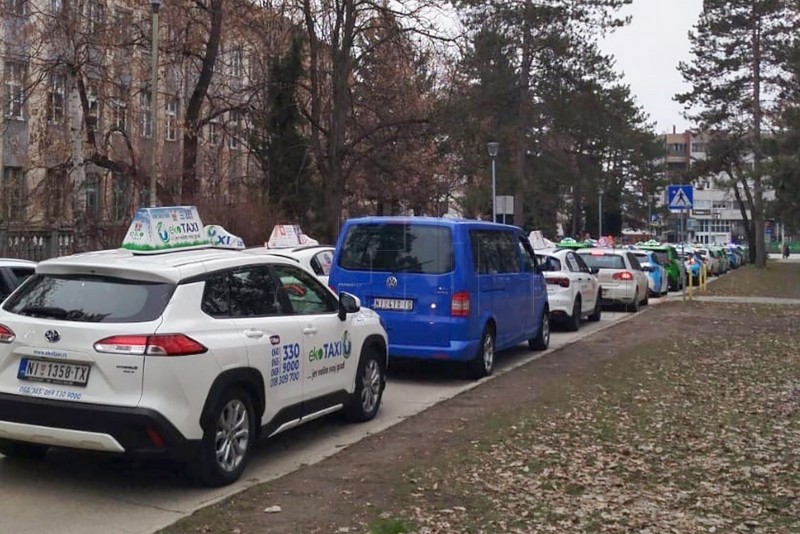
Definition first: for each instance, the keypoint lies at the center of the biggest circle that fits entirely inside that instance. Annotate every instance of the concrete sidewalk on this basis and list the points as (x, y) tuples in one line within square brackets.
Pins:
[(749, 300)]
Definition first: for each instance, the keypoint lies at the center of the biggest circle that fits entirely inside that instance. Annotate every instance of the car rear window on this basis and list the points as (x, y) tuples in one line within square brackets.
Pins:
[(605, 261), (643, 258), (93, 299), (548, 263), (398, 247)]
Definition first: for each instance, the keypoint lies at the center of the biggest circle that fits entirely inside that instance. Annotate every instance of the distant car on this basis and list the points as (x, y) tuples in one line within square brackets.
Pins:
[(668, 257), (12, 273), (658, 282), (572, 287), (711, 261), (316, 258), (621, 278), (693, 263)]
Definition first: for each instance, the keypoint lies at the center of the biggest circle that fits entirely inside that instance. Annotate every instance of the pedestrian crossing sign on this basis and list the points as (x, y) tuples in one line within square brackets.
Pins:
[(680, 197)]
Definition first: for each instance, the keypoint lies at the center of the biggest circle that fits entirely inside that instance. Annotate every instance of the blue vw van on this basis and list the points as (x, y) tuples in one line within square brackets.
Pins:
[(447, 289)]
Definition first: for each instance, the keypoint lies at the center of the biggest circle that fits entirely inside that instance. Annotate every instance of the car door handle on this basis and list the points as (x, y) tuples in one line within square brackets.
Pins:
[(310, 330), (254, 334)]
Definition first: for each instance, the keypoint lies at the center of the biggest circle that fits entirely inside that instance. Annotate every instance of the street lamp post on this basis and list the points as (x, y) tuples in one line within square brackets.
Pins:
[(156, 5), (599, 212), (493, 148)]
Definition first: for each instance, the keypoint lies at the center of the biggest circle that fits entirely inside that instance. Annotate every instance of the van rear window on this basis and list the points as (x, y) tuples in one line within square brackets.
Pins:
[(91, 299), (398, 247)]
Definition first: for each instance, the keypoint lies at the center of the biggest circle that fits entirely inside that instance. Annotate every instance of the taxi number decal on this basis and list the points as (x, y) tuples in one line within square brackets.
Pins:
[(284, 365)]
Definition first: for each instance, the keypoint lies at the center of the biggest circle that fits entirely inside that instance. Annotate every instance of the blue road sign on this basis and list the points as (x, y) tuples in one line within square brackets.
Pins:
[(680, 197)]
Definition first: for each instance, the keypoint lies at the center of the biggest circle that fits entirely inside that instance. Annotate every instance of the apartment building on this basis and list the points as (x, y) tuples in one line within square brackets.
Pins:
[(44, 52)]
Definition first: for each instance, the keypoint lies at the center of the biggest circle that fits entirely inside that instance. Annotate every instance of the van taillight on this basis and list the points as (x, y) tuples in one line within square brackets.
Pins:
[(625, 275), (459, 306), (157, 345), (559, 281), (6, 334)]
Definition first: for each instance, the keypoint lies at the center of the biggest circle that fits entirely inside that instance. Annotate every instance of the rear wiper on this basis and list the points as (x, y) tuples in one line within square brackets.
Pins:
[(52, 312)]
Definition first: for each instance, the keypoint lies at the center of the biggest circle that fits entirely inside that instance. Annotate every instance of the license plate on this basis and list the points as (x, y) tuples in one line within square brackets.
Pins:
[(393, 304), (71, 374)]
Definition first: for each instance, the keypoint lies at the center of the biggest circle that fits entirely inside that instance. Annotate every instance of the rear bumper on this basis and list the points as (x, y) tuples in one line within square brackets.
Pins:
[(114, 429), (560, 304), (456, 350), (618, 294)]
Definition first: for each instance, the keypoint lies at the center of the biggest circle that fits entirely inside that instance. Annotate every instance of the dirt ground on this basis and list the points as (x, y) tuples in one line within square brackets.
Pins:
[(444, 470)]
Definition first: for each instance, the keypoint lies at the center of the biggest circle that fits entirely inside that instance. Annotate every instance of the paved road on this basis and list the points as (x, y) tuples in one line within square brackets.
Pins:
[(75, 493)]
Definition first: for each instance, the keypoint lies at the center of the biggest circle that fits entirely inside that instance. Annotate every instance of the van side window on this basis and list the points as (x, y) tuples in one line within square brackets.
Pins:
[(529, 258), (494, 252)]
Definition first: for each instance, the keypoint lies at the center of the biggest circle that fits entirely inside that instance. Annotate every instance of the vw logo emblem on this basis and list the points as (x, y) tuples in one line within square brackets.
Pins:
[(391, 282), (52, 336)]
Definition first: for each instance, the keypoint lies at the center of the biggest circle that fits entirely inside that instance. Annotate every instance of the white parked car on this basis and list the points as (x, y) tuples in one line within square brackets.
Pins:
[(621, 278), (316, 258), (12, 273), (572, 288), (190, 353)]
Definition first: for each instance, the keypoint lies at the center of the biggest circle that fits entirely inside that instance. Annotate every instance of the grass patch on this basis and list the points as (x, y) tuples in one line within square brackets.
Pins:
[(777, 279), (390, 526)]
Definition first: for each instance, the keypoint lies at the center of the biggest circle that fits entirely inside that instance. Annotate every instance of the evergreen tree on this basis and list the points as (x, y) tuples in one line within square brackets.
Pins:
[(738, 74)]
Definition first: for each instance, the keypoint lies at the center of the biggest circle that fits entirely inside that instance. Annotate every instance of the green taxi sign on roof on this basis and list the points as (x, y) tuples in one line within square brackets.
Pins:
[(651, 243), (569, 242), (156, 230)]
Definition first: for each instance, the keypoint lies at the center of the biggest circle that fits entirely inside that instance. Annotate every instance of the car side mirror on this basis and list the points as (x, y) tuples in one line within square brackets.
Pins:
[(348, 304)]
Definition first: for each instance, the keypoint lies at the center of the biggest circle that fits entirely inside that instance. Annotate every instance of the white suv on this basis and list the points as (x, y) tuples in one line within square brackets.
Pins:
[(187, 354)]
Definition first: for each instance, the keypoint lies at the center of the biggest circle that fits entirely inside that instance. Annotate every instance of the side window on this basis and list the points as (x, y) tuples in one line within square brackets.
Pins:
[(635, 265), (22, 273), (582, 264), (321, 262), (216, 296), (509, 251), (484, 257), (572, 263), (528, 256), (254, 292), (305, 293)]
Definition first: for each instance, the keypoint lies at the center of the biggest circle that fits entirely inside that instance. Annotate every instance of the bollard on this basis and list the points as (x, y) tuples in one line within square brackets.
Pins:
[(704, 278), (690, 277)]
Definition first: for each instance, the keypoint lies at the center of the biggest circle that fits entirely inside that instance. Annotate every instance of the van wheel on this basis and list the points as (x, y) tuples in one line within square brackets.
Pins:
[(574, 322), (542, 339), (228, 441), (21, 450), (598, 310), (370, 382), (483, 362)]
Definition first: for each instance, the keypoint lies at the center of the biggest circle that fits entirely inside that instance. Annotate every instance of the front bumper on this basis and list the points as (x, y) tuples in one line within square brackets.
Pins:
[(97, 427)]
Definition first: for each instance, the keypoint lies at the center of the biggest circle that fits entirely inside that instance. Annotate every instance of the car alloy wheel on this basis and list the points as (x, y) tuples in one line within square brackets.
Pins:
[(232, 435), (371, 385)]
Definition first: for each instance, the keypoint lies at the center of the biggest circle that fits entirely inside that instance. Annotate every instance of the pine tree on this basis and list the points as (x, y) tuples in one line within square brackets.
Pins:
[(738, 74)]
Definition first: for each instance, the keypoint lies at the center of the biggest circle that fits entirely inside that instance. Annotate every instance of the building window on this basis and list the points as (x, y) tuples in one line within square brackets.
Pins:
[(120, 195), (145, 101), (237, 62), (698, 147), (213, 132), (96, 16), (56, 98), (91, 101), (56, 6), (234, 123), (17, 8), (55, 193), (14, 81), (171, 126), (92, 188), (119, 107), (14, 194), (721, 205)]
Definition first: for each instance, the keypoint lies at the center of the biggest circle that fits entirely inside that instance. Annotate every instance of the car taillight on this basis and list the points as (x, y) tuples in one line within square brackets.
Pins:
[(459, 306), (625, 275), (560, 281), (157, 345), (6, 334)]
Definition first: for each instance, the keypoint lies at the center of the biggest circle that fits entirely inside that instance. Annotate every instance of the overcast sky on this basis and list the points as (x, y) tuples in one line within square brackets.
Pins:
[(648, 51)]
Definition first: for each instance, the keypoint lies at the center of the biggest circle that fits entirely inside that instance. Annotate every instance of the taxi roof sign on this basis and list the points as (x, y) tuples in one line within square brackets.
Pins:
[(221, 238), (157, 230), (288, 235)]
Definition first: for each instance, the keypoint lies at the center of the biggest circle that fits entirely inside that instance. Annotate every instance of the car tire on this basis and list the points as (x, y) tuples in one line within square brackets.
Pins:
[(574, 322), (22, 450), (646, 300), (598, 310), (370, 383), (228, 441), (542, 339), (634, 306)]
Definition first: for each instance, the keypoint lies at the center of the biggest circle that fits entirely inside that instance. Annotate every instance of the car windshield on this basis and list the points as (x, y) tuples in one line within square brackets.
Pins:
[(93, 299), (398, 247), (604, 261)]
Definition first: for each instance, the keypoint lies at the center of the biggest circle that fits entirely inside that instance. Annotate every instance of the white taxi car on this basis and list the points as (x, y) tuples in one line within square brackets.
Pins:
[(621, 278), (572, 289), (189, 352), (315, 258)]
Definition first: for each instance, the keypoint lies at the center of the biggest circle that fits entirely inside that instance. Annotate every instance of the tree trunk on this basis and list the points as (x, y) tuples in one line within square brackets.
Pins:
[(191, 131), (748, 228), (758, 192), (78, 169)]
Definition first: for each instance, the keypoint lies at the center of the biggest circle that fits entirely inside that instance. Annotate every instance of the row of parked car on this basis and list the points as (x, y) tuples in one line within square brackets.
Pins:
[(185, 344)]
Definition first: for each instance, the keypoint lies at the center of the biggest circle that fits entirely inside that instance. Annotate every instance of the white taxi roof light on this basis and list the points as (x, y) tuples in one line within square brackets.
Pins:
[(156, 230), (221, 238), (288, 235)]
